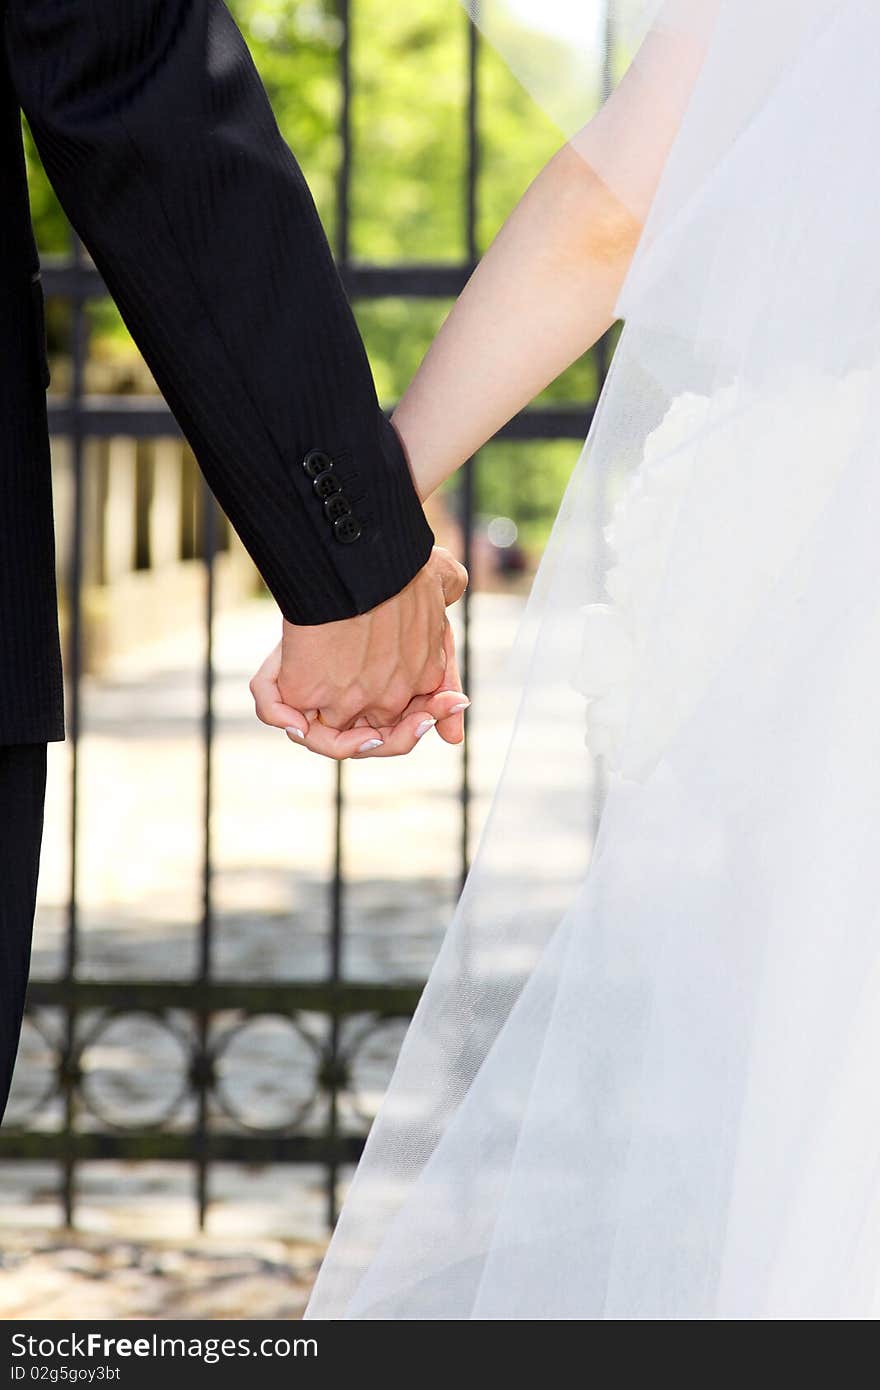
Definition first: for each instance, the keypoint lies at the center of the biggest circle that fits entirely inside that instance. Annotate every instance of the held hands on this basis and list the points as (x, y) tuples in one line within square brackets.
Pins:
[(373, 685)]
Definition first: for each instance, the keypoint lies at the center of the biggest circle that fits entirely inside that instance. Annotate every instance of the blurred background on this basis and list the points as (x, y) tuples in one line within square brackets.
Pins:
[(231, 934)]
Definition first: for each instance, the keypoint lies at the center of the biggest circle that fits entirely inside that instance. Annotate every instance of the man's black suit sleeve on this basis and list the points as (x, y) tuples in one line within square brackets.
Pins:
[(157, 135)]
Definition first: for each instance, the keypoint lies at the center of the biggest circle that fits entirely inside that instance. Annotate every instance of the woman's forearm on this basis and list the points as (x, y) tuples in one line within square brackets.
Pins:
[(542, 295)]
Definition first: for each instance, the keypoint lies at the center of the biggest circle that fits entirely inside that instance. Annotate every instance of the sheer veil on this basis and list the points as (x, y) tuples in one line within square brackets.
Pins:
[(639, 1083)]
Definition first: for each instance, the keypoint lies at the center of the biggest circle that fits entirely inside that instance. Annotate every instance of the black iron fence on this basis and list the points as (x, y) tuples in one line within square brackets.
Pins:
[(203, 1014)]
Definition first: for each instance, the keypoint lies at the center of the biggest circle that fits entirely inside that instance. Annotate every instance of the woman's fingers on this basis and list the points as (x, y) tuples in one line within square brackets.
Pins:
[(363, 740), (339, 743), (393, 741), (399, 739), (270, 707), (425, 714)]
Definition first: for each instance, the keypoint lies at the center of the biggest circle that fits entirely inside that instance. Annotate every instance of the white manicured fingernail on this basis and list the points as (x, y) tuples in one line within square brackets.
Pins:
[(292, 729), (370, 743), (423, 728), (456, 709)]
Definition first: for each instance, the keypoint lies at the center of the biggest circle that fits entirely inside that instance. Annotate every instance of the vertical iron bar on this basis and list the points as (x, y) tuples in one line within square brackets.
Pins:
[(78, 358), (601, 352), (601, 357), (473, 138), (343, 178), (337, 930), (337, 891), (206, 926), (467, 481)]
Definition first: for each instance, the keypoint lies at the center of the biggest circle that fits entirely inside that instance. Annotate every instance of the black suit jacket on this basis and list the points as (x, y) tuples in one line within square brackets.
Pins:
[(156, 133)]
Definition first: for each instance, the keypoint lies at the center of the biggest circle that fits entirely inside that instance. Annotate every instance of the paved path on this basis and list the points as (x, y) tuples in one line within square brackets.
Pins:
[(49, 1275)]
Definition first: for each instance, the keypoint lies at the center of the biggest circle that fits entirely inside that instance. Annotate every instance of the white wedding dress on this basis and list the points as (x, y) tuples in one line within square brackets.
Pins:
[(641, 1079)]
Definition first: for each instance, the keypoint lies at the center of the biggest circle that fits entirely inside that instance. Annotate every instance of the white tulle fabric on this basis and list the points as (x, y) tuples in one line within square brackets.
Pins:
[(641, 1079)]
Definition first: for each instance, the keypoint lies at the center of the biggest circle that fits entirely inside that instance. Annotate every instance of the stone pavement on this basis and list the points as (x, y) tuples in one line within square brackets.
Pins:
[(60, 1275)]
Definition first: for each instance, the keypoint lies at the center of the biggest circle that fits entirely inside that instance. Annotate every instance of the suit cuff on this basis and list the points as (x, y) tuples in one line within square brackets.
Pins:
[(361, 498)]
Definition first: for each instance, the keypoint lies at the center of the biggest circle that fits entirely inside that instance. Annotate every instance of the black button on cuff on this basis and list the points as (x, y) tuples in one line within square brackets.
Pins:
[(325, 485), (318, 466), (347, 529), (316, 462), (336, 506)]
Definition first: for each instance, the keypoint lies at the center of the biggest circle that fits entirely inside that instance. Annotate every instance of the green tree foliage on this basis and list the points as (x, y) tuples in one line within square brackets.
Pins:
[(407, 195)]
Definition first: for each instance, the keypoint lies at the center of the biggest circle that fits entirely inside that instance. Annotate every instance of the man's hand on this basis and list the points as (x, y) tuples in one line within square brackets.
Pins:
[(371, 686)]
